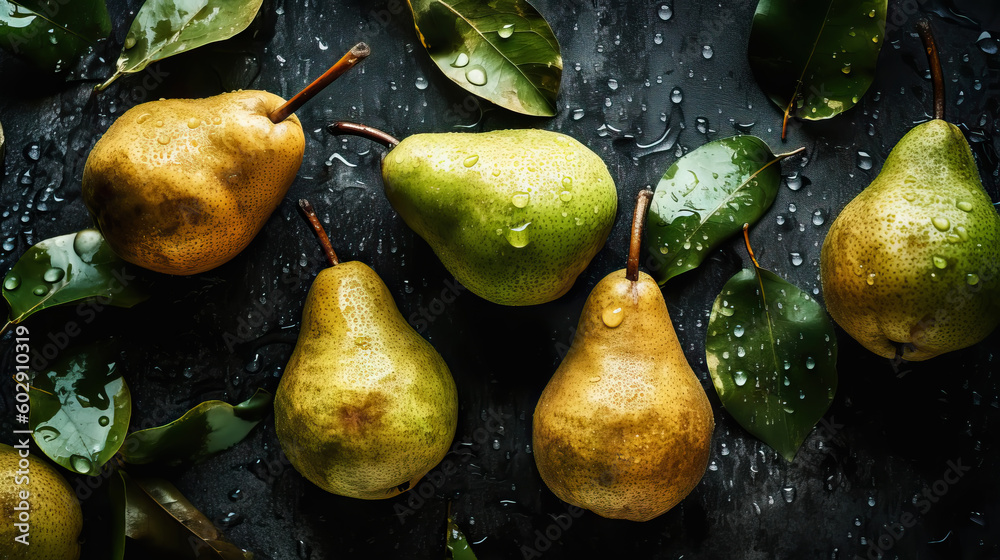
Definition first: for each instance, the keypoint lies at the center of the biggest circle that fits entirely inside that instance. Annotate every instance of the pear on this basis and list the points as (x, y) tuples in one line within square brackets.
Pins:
[(910, 266), (624, 426), (54, 518), (181, 186), (514, 215), (366, 406)]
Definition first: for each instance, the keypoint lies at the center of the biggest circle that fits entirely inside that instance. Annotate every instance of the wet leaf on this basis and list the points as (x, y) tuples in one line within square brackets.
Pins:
[(52, 34), (209, 428), (159, 518), (772, 354), (503, 51), (458, 546), (705, 198), (163, 28), (70, 268), (815, 60), (119, 505), (80, 408)]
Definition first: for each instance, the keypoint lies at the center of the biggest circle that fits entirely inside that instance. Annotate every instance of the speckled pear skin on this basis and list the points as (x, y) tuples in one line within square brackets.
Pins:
[(56, 518), (914, 257), (181, 186), (624, 427), (470, 195), (365, 404)]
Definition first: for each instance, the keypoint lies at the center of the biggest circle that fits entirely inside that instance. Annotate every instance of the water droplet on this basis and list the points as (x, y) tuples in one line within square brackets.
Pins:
[(421, 83), (871, 501), (796, 258), (518, 236), (476, 75), (11, 283), (780, 219), (231, 519), (194, 123), (40, 290), (521, 199), (964, 205), (676, 96), (565, 196), (741, 351), (613, 316), (940, 262), (142, 118), (577, 114), (706, 52), (104, 420), (909, 197), (818, 218), (810, 363), (740, 378), (963, 234), (864, 161), (870, 280), (86, 243), (788, 493), (727, 311), (215, 120), (129, 42), (738, 331), (595, 379), (665, 12), (971, 279), (658, 38), (613, 84), (470, 161), (80, 464), (942, 224), (794, 181), (53, 275), (47, 433), (986, 43), (506, 31), (846, 69), (461, 61), (163, 139)]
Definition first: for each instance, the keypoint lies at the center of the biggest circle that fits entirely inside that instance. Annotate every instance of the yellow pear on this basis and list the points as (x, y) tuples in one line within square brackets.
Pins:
[(624, 426), (181, 186), (53, 519), (366, 406)]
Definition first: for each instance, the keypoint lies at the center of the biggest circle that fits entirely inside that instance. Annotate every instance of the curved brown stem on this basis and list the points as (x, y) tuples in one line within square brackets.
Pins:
[(937, 76), (364, 131), (746, 239), (638, 224), (324, 240), (355, 55)]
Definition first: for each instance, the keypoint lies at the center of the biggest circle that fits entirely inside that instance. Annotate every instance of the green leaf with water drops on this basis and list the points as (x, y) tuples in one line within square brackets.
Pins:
[(207, 429), (52, 34), (163, 28), (458, 545), (80, 407), (503, 51), (705, 198), (816, 59), (772, 354), (67, 269), (158, 518)]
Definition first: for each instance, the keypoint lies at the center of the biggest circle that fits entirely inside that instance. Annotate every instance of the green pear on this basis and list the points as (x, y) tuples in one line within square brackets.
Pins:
[(910, 266), (181, 186), (366, 406), (514, 215), (53, 518), (624, 426)]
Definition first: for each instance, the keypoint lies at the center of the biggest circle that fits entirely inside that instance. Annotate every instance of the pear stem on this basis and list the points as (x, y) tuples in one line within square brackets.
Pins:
[(937, 76), (324, 239), (355, 55), (638, 224), (746, 239), (364, 131)]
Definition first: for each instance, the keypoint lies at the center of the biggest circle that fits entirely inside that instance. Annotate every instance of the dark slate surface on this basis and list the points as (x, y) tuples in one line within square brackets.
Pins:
[(635, 72)]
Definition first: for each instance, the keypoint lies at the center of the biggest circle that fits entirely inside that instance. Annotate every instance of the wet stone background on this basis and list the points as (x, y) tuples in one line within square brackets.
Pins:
[(643, 84)]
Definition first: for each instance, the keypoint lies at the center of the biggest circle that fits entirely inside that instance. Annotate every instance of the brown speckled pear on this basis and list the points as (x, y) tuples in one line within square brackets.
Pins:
[(55, 519), (181, 186), (366, 406), (910, 266), (624, 426)]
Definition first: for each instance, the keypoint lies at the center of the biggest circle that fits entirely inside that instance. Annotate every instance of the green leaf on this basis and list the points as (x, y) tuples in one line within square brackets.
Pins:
[(158, 517), (772, 354), (705, 198), (457, 544), (503, 51), (163, 28), (80, 408), (119, 507), (816, 59), (209, 428), (70, 268), (52, 34)]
